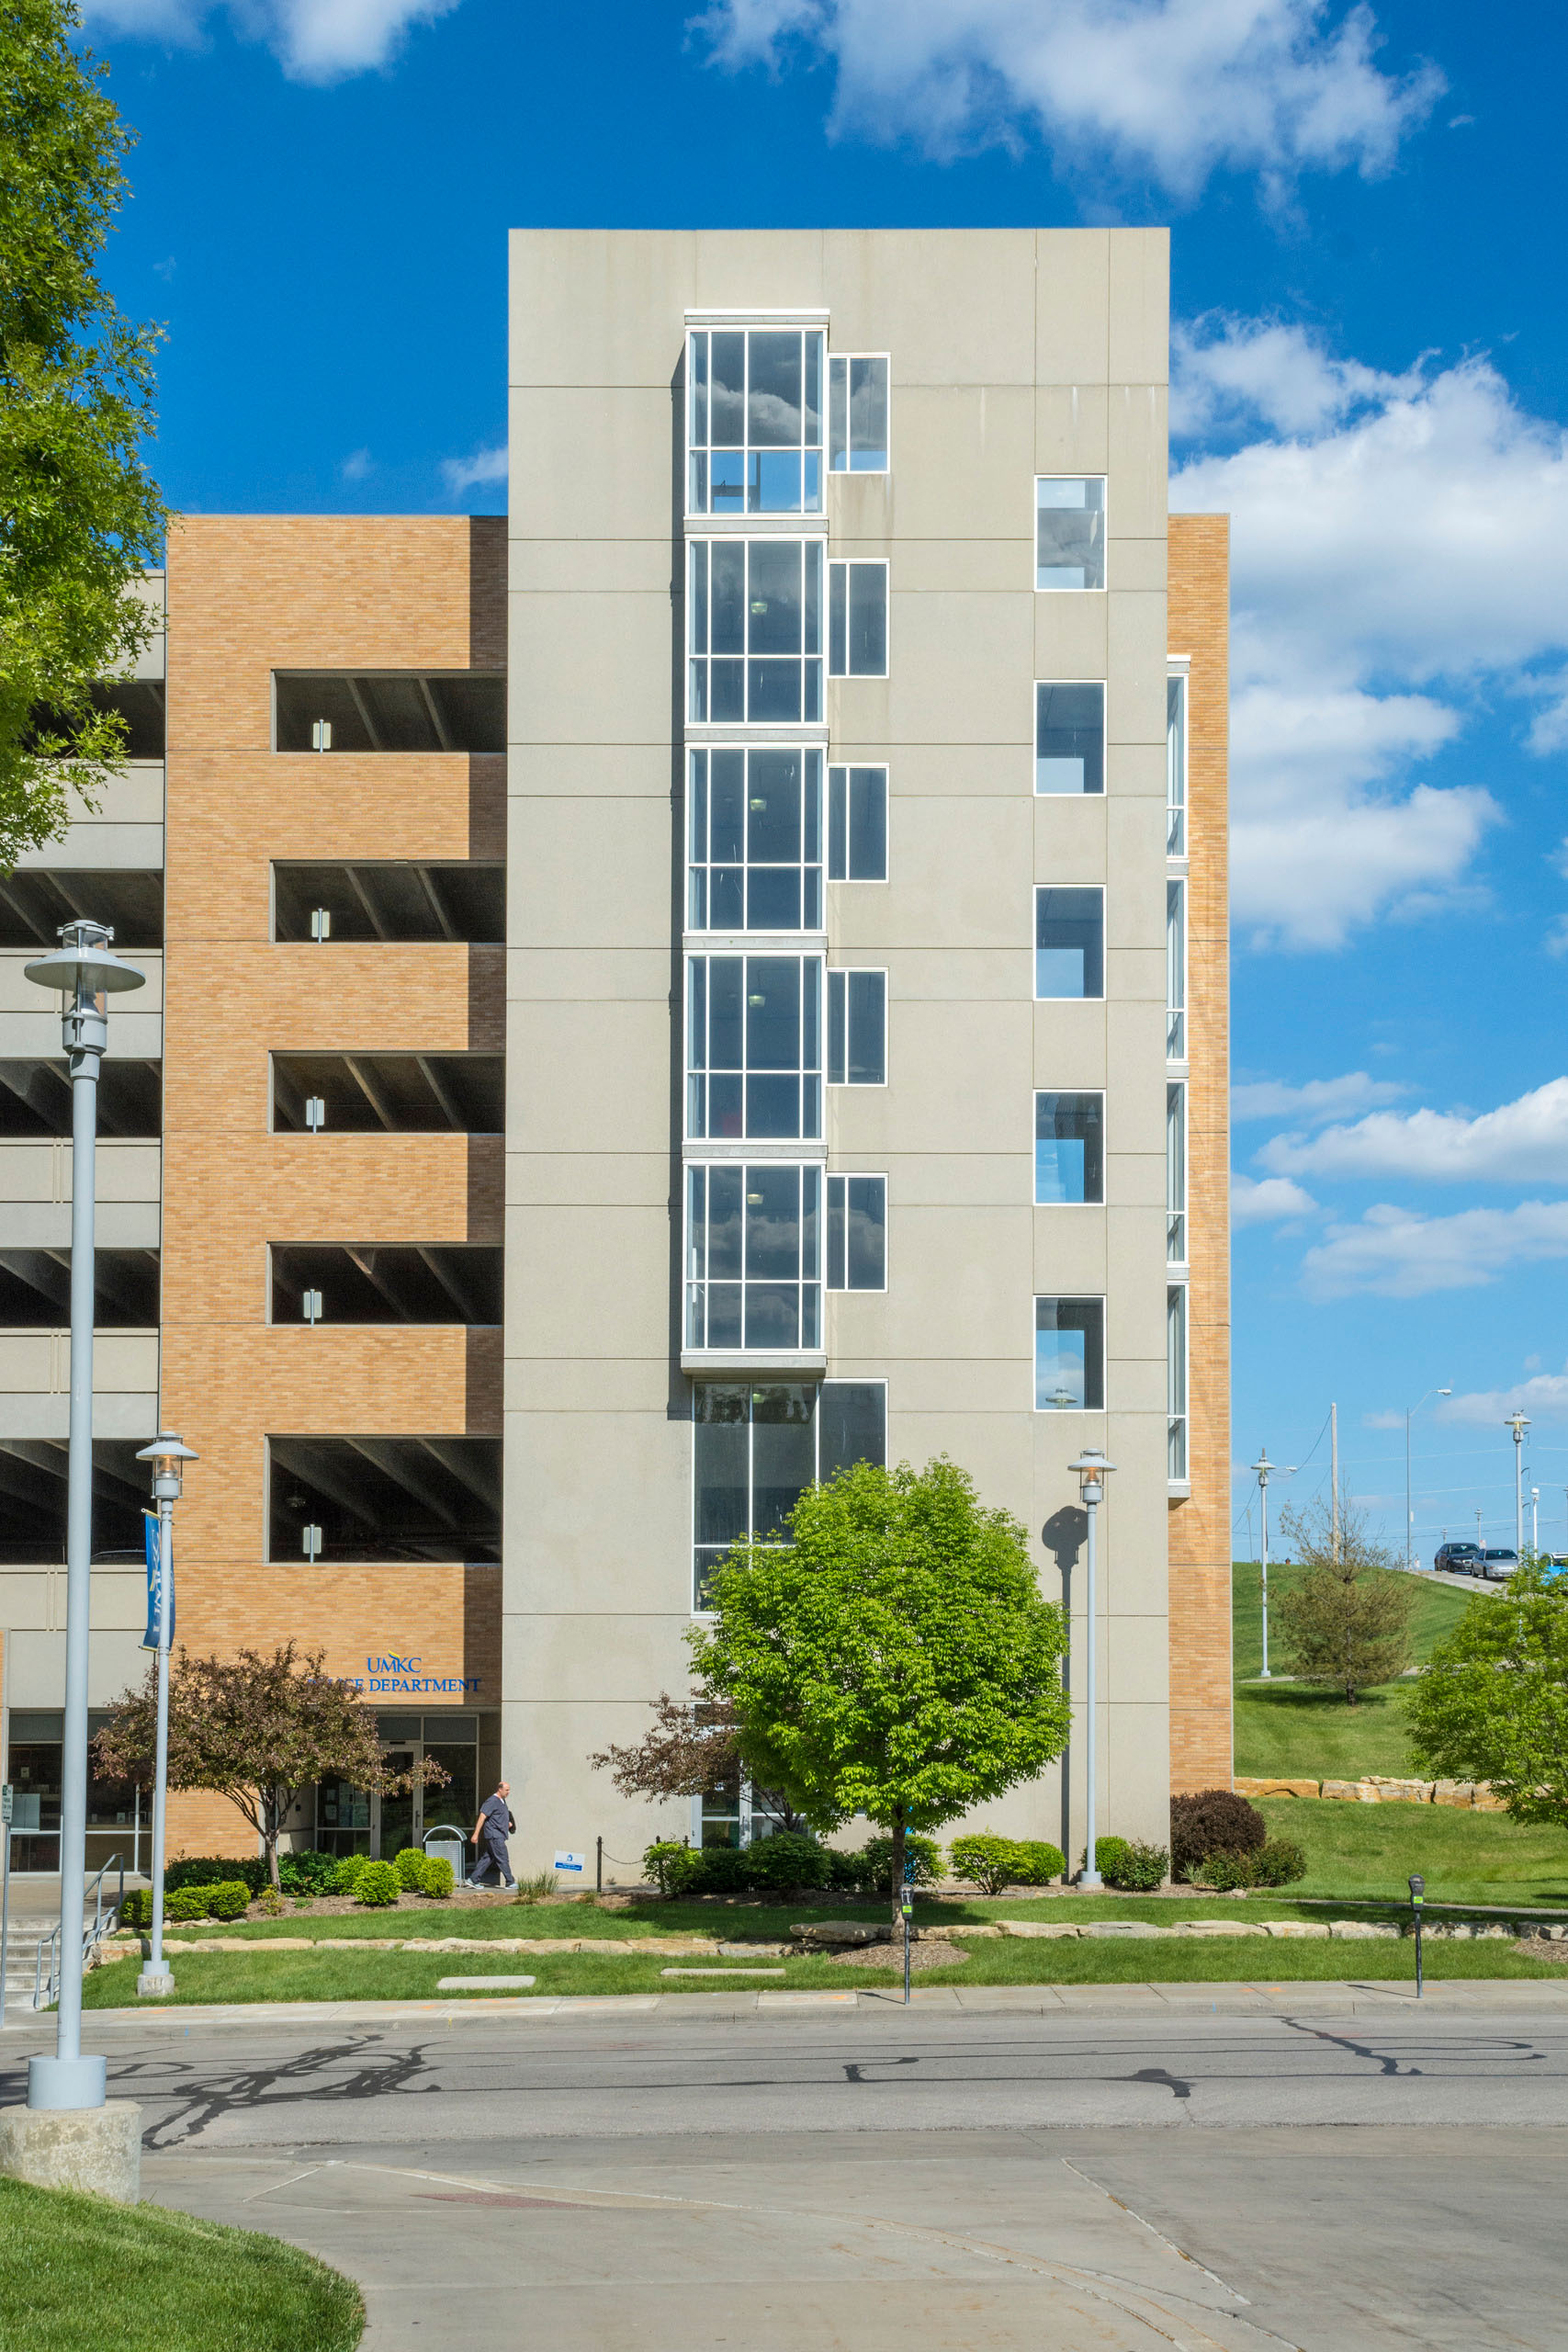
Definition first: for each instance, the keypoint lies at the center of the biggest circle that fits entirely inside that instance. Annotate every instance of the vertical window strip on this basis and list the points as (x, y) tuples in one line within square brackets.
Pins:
[(1175, 1383)]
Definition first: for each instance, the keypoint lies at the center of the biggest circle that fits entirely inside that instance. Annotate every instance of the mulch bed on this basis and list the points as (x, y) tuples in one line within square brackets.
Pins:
[(927, 1953)]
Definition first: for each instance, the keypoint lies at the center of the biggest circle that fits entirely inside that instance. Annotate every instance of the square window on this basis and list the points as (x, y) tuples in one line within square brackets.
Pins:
[(857, 1028), (754, 421), (857, 1233), (1070, 1355), (753, 1257), (1069, 1148), (1069, 738), (1069, 532), (857, 620), (1069, 941), (755, 1448), (857, 413), (857, 824), (754, 631), (754, 840)]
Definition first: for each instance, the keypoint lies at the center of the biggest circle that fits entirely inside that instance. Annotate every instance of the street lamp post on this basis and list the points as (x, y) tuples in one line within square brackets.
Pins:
[(1263, 1467), (1410, 1413), (166, 1454), (1518, 1423), (1092, 1470), (1535, 1518), (86, 971)]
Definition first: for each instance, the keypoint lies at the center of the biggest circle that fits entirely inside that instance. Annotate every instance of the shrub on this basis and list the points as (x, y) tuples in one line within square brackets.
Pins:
[(721, 1870), (873, 1864), (1131, 1866), (1278, 1863), (136, 1911), (409, 1863), (377, 1885), (213, 1869), (1036, 1863), (1226, 1873), (271, 1903), (231, 1899), (307, 1873), (1214, 1821), (346, 1875), (786, 1861), (675, 1866), (985, 1861), (436, 1877)]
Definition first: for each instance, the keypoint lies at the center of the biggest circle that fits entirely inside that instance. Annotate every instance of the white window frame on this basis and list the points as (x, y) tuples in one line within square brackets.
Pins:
[(806, 1279), (1034, 944), (1075, 1297), (846, 564), (1177, 759), (1034, 738), (748, 327), (846, 1289), (809, 1077), (706, 866), (846, 472), (1176, 1009), (1178, 1395), (1048, 588), (846, 768), (1176, 1172), (844, 973), (1098, 1092), (806, 541)]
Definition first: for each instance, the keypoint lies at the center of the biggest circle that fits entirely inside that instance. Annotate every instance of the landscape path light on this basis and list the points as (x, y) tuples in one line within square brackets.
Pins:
[(166, 1454), (1092, 1469), (87, 972)]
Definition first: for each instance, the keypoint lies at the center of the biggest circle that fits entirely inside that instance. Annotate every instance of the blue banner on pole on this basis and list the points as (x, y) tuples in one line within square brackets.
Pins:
[(155, 1583)]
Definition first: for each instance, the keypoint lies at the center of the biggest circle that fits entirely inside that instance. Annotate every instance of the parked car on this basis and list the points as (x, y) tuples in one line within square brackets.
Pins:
[(1458, 1560), (1497, 1566)]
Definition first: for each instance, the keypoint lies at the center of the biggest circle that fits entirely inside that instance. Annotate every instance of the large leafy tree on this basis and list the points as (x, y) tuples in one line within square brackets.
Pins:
[(80, 518), (896, 1659), (256, 1728), (1345, 1622), (1492, 1701)]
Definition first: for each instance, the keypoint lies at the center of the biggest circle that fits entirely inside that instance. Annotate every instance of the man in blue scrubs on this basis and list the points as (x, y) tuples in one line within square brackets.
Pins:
[(489, 1834)]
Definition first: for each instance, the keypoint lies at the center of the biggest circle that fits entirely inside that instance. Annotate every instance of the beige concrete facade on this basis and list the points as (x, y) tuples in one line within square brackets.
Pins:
[(1012, 354)]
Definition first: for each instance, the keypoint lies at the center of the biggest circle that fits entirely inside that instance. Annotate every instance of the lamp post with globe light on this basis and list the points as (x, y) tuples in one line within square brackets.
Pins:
[(1518, 1423), (166, 1454), (1092, 1470)]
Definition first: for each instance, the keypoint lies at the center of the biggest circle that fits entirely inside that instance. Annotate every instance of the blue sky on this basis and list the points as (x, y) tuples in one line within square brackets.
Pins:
[(1367, 211)]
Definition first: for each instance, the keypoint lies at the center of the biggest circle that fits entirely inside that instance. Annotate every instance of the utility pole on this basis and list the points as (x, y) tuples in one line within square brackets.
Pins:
[(1334, 1481), (1518, 1423)]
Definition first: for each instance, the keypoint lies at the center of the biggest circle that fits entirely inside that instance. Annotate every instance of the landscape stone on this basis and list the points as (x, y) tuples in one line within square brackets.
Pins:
[(842, 1931), (1295, 1927), (1360, 1930), (1039, 1927), (1220, 1927)]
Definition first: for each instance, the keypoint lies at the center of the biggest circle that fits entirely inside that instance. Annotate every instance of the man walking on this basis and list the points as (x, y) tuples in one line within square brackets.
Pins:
[(489, 1834)]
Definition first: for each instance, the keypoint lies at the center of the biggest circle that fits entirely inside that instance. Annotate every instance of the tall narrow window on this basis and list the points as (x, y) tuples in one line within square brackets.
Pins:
[(754, 421), (1176, 1172), (1069, 1148), (754, 631), (1175, 763), (755, 1447), (1069, 941), (857, 1028), (1176, 969), (753, 1257), (1176, 1383), (857, 824), (857, 413), (857, 1233), (1070, 1355), (857, 620), (1069, 532), (1069, 738), (754, 840), (753, 1047)]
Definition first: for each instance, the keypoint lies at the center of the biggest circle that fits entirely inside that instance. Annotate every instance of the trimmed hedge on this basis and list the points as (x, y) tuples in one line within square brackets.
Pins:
[(215, 1870), (409, 1863), (992, 1863), (1129, 1866), (436, 1878), (307, 1873), (378, 1885), (345, 1874), (228, 1899)]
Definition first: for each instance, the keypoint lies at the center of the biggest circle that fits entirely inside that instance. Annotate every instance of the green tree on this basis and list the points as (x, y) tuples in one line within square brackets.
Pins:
[(1492, 1701), (80, 518), (1345, 1622), (256, 1728), (896, 1659)]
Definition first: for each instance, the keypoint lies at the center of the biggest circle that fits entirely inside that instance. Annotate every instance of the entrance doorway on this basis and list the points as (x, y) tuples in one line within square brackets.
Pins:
[(349, 1822)]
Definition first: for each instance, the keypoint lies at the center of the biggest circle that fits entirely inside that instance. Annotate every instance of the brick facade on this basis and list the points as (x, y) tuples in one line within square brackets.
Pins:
[(1199, 1526)]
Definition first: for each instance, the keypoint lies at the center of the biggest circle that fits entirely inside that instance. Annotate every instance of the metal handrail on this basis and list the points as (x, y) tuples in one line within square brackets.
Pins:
[(46, 1982)]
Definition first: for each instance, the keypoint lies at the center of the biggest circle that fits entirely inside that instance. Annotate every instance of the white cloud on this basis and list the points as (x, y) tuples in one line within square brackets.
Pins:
[(1544, 1399), (463, 474), (358, 466), (1175, 89), (1398, 1254), (1382, 1421), (1266, 1201), (317, 40), (1400, 543), (1317, 1099), (1523, 1142)]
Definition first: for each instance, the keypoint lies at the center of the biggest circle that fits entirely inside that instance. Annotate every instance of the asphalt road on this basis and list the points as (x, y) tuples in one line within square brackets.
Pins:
[(961, 2183)]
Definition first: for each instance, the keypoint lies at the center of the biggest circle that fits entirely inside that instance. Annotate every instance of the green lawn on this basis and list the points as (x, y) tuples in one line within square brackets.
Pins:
[(1370, 1850), (1288, 1731), (78, 2274)]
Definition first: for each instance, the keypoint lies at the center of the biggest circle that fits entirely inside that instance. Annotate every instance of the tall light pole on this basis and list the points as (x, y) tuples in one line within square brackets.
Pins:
[(1410, 1413), (165, 1453), (1518, 1423), (86, 971), (1263, 1467), (1535, 1518), (1092, 1472)]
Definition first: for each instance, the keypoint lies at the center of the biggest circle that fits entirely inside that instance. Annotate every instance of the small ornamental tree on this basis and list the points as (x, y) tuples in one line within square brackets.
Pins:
[(690, 1748), (257, 1729), (80, 519), (1492, 1701), (896, 1660), (1345, 1622)]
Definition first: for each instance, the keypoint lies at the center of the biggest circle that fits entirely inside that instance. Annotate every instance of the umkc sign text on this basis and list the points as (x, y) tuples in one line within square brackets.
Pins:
[(404, 1674)]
